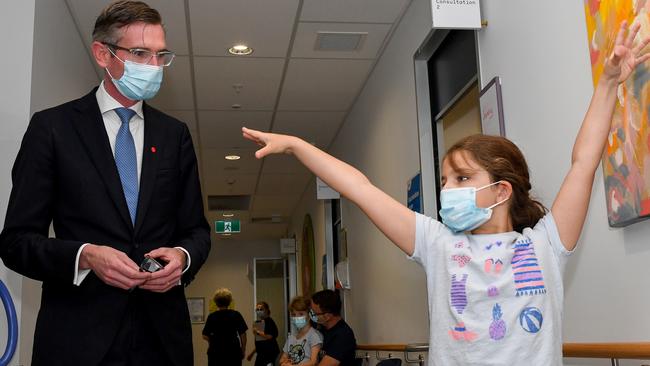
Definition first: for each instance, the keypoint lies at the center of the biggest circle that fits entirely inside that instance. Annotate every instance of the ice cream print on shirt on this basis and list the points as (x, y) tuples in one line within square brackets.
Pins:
[(461, 259), (458, 293), (297, 352), (527, 273), (460, 333)]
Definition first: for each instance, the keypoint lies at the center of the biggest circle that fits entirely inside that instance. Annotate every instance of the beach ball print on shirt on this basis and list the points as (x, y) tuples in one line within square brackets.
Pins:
[(531, 319)]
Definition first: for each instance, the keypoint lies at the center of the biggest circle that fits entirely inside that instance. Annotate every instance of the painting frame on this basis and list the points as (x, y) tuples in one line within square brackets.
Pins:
[(196, 307), (491, 108), (626, 158)]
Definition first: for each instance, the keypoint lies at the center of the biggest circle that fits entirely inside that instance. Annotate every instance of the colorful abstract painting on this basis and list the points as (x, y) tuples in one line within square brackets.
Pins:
[(626, 161)]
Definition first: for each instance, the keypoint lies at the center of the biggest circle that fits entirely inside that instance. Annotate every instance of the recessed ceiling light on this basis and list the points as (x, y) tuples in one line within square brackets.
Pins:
[(228, 215), (232, 157), (240, 50)]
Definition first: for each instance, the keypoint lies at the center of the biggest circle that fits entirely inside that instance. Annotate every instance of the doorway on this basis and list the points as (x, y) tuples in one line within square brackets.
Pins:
[(270, 285), (446, 72)]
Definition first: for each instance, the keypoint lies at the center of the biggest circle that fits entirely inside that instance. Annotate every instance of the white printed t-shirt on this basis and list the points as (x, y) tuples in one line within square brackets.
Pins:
[(494, 299), (299, 350)]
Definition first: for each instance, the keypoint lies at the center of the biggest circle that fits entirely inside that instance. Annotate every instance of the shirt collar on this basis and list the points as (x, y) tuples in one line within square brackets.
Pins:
[(107, 103)]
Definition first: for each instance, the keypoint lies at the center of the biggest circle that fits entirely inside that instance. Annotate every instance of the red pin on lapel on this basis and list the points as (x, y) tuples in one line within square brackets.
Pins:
[(153, 149)]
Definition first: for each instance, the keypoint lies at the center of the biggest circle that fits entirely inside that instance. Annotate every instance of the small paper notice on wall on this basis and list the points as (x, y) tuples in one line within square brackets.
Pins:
[(325, 192)]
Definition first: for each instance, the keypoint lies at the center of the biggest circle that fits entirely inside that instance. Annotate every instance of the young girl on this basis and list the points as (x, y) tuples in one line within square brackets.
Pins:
[(304, 342), (494, 265)]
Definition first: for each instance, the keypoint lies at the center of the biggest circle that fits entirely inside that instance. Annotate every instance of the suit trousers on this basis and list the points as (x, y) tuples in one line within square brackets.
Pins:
[(136, 342)]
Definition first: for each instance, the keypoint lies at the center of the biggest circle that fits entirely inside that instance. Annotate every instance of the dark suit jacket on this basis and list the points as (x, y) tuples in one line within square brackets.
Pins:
[(65, 173)]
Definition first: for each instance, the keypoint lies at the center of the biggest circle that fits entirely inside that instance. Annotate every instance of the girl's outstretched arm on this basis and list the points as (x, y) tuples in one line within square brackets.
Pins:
[(394, 219), (570, 206)]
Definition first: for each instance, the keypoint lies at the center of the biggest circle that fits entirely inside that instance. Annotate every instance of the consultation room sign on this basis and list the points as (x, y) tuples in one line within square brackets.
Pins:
[(456, 14), (226, 227)]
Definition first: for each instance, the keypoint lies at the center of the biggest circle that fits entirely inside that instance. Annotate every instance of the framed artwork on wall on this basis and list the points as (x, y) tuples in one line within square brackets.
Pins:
[(308, 258), (196, 306), (491, 104), (626, 160)]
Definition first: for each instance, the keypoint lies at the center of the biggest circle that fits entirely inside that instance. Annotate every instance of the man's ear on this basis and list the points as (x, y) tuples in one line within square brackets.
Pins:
[(101, 54)]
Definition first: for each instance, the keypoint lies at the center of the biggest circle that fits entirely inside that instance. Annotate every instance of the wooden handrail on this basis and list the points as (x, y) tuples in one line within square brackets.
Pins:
[(630, 351), (382, 347)]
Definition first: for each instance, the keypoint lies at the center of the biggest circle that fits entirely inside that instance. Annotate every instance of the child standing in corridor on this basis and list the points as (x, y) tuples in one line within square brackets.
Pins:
[(494, 265)]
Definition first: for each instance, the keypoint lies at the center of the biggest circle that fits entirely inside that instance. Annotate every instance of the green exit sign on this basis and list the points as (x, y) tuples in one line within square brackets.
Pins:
[(225, 227)]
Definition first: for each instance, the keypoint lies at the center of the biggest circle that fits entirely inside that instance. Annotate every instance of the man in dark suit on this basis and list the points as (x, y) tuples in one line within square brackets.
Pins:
[(119, 181)]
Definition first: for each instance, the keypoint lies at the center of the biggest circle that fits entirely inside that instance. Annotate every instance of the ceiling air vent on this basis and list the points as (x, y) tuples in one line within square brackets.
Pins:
[(340, 41), (229, 203), (273, 219)]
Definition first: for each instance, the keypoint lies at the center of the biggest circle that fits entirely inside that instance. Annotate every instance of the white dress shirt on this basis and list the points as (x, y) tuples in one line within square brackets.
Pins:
[(112, 123)]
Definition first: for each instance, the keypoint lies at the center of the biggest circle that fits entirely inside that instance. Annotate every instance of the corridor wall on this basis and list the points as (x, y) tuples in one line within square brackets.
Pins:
[(14, 112)]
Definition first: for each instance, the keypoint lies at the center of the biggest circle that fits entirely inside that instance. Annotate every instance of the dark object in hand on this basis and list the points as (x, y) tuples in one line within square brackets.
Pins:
[(150, 265)]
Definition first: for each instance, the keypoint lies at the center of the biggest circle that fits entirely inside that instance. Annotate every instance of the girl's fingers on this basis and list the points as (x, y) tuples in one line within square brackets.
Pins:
[(637, 50), (643, 59), (621, 33), (617, 56), (629, 41), (262, 152)]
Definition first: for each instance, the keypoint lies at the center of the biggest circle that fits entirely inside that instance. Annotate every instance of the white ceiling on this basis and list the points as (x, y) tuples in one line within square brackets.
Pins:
[(285, 86)]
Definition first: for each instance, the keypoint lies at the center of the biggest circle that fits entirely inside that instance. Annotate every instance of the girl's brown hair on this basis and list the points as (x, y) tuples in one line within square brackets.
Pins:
[(300, 303), (503, 160)]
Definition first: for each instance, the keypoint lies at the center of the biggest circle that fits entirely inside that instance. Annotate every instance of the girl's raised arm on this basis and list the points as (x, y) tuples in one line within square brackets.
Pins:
[(394, 219), (570, 206)]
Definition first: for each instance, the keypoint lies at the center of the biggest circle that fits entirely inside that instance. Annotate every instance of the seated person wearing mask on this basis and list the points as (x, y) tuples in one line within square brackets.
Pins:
[(304, 342), (339, 344)]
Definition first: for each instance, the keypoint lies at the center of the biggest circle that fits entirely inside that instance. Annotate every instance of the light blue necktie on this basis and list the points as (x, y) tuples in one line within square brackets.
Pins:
[(126, 161)]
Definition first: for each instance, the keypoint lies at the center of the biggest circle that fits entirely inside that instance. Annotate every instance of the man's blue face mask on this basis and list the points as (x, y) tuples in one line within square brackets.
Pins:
[(139, 81), (459, 211)]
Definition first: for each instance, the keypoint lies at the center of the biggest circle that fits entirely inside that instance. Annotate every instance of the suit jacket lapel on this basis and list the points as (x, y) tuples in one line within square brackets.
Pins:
[(152, 145), (90, 126)]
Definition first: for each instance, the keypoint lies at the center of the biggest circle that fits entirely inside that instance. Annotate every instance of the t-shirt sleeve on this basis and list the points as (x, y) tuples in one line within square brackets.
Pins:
[(285, 349), (315, 338), (241, 327), (270, 328), (341, 347), (427, 231), (207, 326), (547, 223)]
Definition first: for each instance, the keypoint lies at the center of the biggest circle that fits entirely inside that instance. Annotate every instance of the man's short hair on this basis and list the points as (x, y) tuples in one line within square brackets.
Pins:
[(222, 297), (108, 26), (328, 301)]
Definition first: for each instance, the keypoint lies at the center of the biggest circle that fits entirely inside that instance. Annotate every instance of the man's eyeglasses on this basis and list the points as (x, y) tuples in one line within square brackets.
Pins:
[(144, 56), (313, 313)]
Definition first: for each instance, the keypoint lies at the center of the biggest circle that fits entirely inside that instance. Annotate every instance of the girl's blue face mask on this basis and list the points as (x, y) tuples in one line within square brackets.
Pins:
[(459, 211), (299, 321), (139, 81)]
